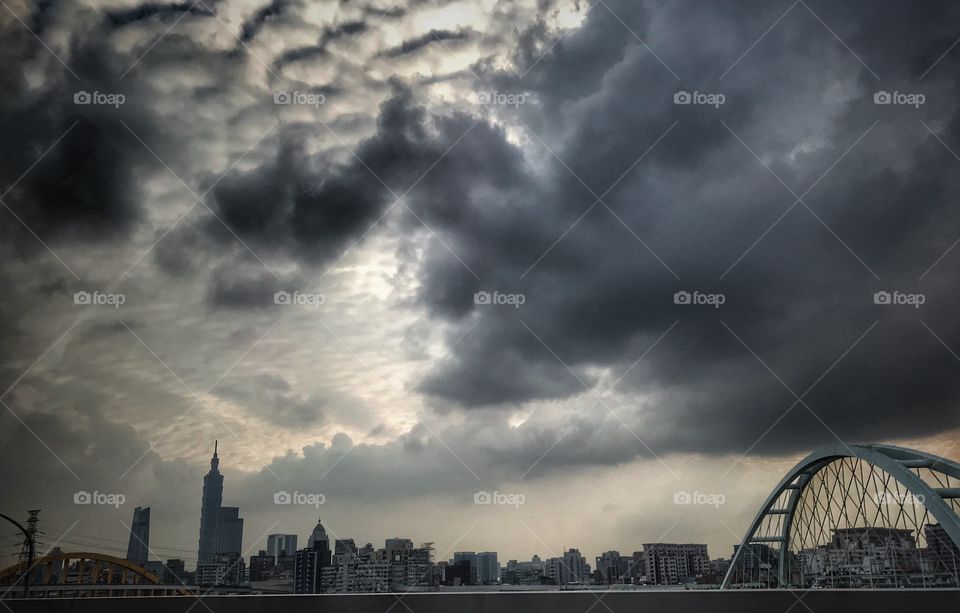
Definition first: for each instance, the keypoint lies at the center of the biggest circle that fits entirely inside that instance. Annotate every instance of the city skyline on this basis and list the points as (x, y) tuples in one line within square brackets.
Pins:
[(212, 495), (504, 275)]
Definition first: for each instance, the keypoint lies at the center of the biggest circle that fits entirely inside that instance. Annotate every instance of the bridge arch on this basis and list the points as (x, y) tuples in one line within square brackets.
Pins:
[(84, 573), (865, 515)]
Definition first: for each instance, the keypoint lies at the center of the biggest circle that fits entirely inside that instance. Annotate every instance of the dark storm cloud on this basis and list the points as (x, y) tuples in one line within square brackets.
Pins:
[(343, 29), (505, 216), (69, 165), (433, 36), (603, 294), (800, 299), (392, 12), (263, 16), (330, 34), (315, 207), (149, 10)]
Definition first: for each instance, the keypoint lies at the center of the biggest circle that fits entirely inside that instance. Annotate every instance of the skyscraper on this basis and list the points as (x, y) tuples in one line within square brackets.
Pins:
[(210, 510), (488, 568), (139, 544), (281, 544), (230, 531)]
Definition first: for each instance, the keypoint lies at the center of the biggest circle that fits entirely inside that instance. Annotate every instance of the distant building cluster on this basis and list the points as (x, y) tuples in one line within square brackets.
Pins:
[(322, 567), (871, 557), (852, 557), (398, 565)]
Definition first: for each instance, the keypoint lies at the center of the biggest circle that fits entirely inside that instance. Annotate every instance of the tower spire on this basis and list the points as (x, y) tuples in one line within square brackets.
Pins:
[(215, 460)]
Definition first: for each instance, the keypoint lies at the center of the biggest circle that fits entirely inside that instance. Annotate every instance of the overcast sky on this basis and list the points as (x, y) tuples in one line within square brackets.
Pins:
[(398, 253)]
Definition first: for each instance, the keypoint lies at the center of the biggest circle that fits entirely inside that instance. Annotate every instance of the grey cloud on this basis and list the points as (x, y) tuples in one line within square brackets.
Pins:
[(271, 398), (329, 34), (150, 10), (262, 17), (495, 198), (433, 36), (800, 299)]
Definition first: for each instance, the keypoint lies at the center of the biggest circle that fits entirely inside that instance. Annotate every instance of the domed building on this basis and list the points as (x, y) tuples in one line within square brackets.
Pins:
[(310, 561), (319, 534)]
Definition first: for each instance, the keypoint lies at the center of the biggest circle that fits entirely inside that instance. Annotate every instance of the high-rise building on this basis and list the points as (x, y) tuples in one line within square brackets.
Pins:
[(670, 563), (281, 544), (856, 557), (344, 550), (571, 568), (139, 544), (420, 567), (613, 568), (265, 567), (223, 569), (469, 557), (210, 510), (397, 546), (458, 573), (488, 568), (230, 531), (941, 550), (525, 573), (638, 567), (310, 562), (175, 571)]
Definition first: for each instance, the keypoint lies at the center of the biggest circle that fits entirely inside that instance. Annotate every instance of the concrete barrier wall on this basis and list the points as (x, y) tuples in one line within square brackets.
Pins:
[(819, 601)]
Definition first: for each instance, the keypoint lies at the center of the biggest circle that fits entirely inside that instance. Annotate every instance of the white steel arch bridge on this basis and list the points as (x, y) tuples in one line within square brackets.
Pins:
[(856, 516)]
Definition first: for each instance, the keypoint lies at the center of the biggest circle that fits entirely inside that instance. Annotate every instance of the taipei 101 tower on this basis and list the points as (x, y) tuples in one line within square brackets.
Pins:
[(210, 510)]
